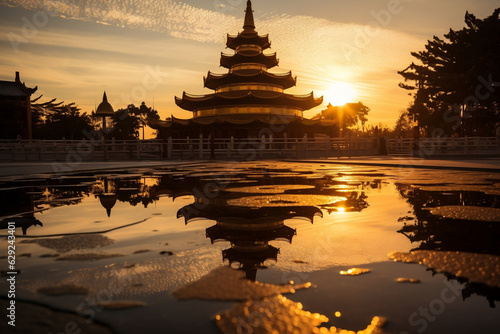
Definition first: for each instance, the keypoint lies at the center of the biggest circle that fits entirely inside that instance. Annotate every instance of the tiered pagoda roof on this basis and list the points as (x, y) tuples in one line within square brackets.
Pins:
[(284, 81), (246, 98), (248, 84), (230, 60)]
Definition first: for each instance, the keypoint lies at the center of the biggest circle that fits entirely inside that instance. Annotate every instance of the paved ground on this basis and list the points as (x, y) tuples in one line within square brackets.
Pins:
[(464, 163), (42, 168)]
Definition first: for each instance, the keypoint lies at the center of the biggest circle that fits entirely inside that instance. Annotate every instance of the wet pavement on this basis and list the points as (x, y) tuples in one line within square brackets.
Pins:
[(250, 247)]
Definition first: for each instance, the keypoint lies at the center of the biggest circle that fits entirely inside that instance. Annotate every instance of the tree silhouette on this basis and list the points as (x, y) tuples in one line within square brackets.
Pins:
[(404, 125), (56, 120), (145, 114), (346, 115), (455, 84), (128, 121)]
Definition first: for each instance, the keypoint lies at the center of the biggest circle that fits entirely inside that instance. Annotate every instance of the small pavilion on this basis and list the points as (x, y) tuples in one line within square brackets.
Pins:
[(104, 110), (15, 109)]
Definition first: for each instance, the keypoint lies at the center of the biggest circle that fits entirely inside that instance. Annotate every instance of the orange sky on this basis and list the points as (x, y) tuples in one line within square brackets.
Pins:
[(154, 50)]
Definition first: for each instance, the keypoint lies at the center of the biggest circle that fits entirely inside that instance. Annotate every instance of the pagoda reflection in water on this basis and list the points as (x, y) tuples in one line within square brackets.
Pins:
[(249, 231)]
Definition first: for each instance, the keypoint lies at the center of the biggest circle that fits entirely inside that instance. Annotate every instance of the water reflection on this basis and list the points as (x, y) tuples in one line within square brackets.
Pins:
[(249, 231), (249, 213), (249, 217), (24, 222), (434, 232), (439, 233)]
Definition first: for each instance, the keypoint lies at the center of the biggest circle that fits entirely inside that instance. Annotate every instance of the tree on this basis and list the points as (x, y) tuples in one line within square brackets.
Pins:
[(127, 122), (347, 115), (145, 114), (56, 120), (404, 125), (456, 81)]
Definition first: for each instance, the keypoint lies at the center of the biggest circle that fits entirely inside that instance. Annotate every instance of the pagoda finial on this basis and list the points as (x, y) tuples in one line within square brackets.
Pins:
[(249, 23), (104, 97)]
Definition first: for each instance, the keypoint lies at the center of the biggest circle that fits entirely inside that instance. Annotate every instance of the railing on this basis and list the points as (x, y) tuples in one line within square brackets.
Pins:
[(258, 148), (428, 147), (199, 148), (80, 150), (238, 148)]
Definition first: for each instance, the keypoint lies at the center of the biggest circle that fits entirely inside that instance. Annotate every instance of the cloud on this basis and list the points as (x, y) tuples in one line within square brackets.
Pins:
[(319, 51), (167, 16)]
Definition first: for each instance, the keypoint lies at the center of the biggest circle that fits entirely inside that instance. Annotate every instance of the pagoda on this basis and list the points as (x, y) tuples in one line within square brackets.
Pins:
[(246, 99)]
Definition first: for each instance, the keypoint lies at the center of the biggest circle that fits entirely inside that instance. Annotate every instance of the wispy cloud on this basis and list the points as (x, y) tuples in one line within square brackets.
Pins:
[(167, 16), (318, 50)]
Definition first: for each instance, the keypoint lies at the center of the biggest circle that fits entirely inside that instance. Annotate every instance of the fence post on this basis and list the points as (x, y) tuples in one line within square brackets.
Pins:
[(200, 146), (38, 148), (328, 142), (297, 148), (169, 148), (190, 148), (305, 144), (230, 147), (262, 145)]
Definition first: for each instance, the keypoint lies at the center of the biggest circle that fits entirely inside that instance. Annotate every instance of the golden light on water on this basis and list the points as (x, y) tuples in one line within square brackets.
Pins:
[(340, 93), (354, 271), (341, 209)]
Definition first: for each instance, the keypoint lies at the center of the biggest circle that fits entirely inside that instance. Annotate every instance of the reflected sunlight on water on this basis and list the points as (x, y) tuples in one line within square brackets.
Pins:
[(156, 231)]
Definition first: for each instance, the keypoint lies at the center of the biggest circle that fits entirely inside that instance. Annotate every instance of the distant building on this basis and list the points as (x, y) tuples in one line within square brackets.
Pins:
[(15, 109), (247, 99)]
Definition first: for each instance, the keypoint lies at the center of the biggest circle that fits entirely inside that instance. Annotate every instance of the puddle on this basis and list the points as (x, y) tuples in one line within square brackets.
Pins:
[(168, 245)]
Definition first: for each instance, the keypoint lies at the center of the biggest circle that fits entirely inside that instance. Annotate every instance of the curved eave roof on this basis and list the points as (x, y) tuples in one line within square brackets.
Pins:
[(235, 255), (247, 98), (248, 38), (228, 60), (239, 119), (214, 81), (217, 233), (15, 89), (248, 216)]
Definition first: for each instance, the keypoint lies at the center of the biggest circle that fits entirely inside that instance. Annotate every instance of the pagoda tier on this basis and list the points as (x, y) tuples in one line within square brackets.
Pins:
[(234, 80), (230, 60), (251, 38), (247, 98), (249, 258), (248, 36), (233, 217), (219, 233)]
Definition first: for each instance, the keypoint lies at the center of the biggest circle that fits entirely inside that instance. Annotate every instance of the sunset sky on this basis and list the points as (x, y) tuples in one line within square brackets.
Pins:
[(154, 50)]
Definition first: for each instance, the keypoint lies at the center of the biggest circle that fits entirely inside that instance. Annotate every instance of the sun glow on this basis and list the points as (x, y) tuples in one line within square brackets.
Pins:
[(340, 93)]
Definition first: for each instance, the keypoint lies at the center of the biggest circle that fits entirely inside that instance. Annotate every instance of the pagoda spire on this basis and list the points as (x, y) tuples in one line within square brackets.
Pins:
[(249, 22)]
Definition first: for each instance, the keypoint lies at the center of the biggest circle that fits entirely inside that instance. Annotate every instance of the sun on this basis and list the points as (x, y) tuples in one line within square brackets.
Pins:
[(340, 93)]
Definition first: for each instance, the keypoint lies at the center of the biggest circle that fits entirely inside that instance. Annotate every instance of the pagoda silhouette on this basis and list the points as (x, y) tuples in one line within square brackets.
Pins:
[(246, 99)]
